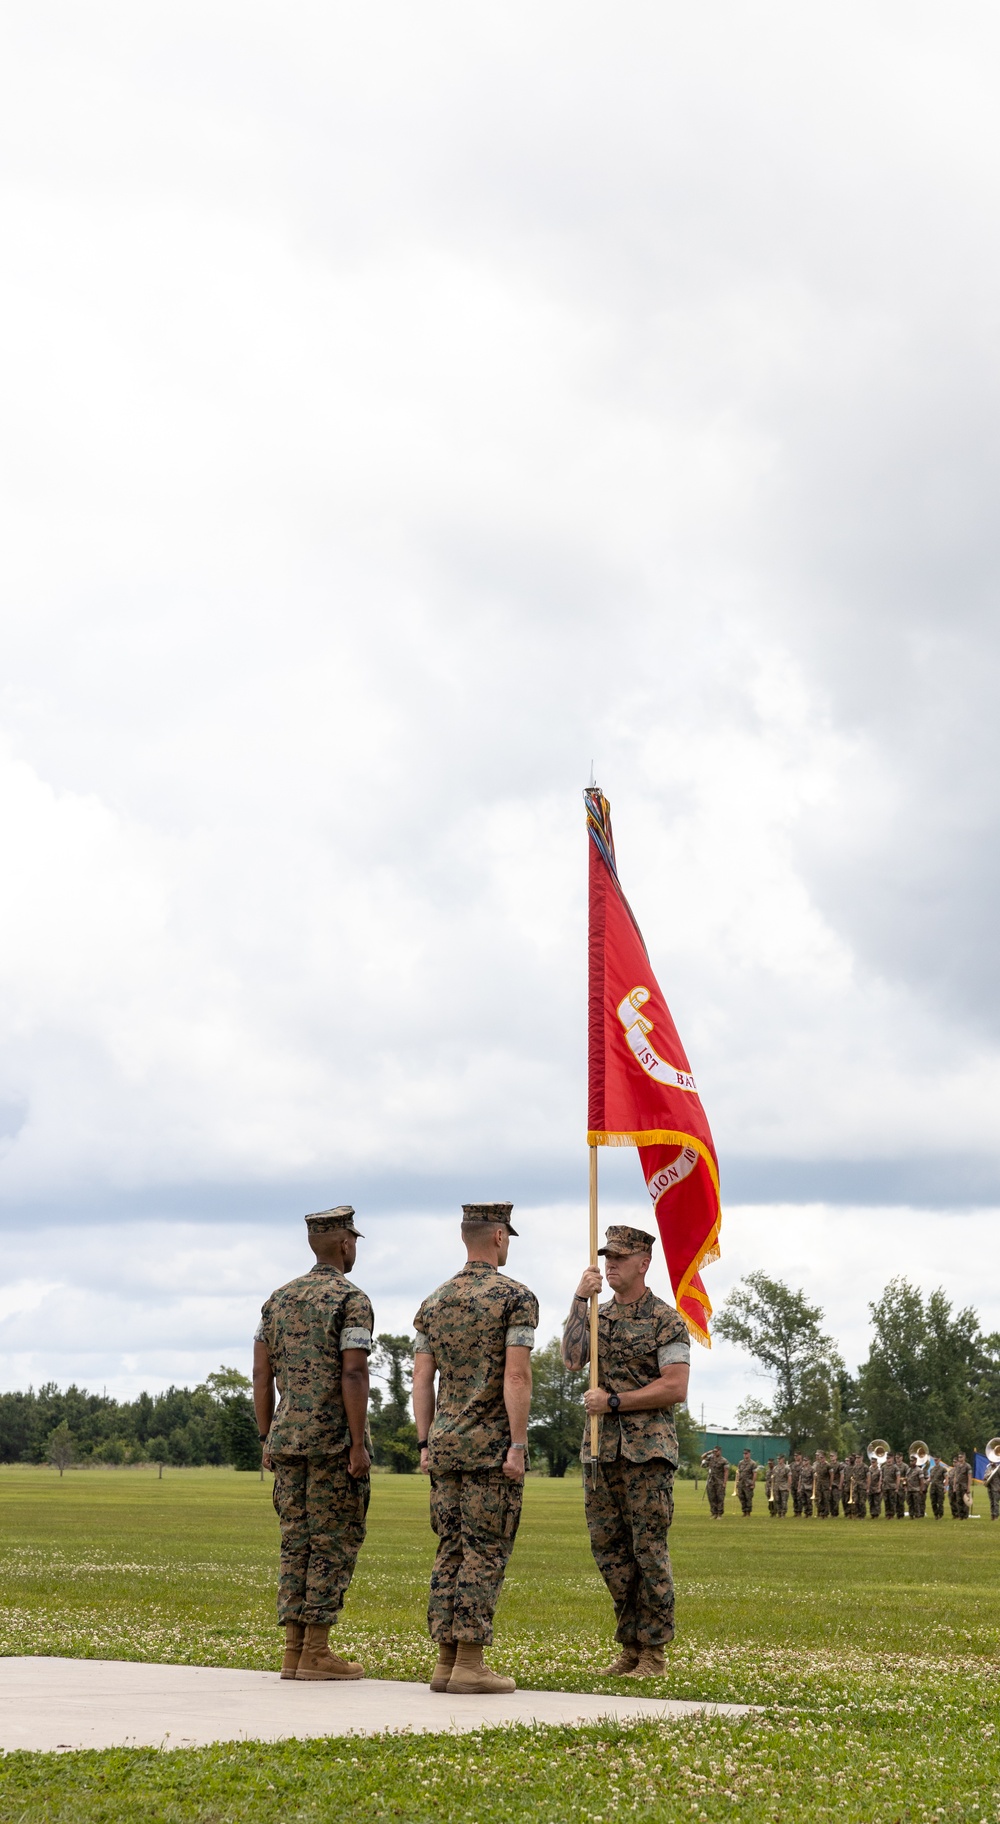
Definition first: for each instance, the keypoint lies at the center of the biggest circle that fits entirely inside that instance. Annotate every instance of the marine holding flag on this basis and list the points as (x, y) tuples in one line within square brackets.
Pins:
[(642, 1094)]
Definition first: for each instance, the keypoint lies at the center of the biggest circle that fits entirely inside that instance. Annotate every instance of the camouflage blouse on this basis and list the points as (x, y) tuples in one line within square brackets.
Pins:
[(306, 1325), (467, 1325), (634, 1345)]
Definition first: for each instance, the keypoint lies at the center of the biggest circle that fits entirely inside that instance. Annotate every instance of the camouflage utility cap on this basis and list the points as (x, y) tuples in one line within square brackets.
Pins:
[(496, 1215), (342, 1217), (623, 1240)]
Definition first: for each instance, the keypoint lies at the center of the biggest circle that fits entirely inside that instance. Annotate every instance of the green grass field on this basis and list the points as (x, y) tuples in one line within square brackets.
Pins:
[(873, 1649)]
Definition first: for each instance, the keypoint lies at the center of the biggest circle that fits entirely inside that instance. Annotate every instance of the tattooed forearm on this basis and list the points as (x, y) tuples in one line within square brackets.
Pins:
[(576, 1335)]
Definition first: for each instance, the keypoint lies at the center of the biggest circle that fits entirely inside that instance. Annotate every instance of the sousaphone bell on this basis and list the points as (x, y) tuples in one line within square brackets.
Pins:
[(878, 1451), (921, 1451)]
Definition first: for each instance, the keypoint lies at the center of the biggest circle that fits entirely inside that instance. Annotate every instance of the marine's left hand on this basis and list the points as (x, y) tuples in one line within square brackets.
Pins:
[(596, 1400), (359, 1462)]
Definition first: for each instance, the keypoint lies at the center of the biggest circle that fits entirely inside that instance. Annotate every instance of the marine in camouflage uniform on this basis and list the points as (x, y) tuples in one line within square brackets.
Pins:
[(915, 1490), (806, 1487), (314, 1338), (935, 1484), (782, 1478), (823, 1475), (992, 1481), (795, 1473), (746, 1482), (643, 1357), (875, 1488), (889, 1480), (476, 1333), (836, 1484), (769, 1486), (717, 1477), (900, 1486), (960, 1485)]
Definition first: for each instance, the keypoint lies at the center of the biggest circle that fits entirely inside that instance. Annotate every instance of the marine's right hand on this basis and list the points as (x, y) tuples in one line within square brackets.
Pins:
[(425, 1466), (590, 1283)]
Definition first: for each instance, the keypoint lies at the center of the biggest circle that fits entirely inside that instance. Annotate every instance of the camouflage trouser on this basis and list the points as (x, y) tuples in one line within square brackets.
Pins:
[(475, 1514), (890, 1503), (993, 1490), (322, 1514), (716, 1492), (823, 1500), (835, 1502), (781, 1502), (875, 1504), (806, 1500), (937, 1500), (628, 1512), (745, 1493)]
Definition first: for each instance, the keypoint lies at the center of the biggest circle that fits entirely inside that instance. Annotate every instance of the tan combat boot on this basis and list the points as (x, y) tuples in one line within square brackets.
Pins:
[(626, 1662), (316, 1660), (445, 1666), (294, 1632), (471, 1678), (650, 1664)]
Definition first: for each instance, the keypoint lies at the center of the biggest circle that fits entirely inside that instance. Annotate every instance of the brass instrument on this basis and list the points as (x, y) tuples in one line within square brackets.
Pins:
[(993, 1458), (878, 1451), (922, 1453)]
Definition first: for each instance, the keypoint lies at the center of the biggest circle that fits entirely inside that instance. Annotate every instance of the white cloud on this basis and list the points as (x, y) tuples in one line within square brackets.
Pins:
[(405, 411)]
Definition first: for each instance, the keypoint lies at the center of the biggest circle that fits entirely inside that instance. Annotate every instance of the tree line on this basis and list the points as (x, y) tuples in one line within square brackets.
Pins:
[(930, 1372)]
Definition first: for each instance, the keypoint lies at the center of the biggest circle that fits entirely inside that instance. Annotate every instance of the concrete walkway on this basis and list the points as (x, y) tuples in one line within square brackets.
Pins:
[(103, 1703)]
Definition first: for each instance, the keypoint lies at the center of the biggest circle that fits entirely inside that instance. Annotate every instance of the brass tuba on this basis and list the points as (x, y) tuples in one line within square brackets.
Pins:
[(993, 1458), (878, 1451), (922, 1453)]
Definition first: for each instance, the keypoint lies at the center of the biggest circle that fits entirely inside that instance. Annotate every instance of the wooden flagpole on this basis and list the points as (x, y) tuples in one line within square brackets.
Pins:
[(594, 1420)]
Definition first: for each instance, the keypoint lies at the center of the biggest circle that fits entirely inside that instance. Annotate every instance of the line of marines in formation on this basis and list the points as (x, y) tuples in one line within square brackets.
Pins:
[(860, 1485), (471, 1403)]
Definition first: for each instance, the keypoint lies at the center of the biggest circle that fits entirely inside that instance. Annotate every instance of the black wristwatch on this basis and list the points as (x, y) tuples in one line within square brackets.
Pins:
[(614, 1402), (422, 1443)]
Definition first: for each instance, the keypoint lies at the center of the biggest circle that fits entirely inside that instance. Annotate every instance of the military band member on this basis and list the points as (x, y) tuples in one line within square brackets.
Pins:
[(859, 1487), (314, 1339), (836, 1484), (746, 1482), (992, 1483), (769, 1486), (900, 1465), (889, 1479), (782, 1479), (960, 1488), (717, 1476), (643, 1363), (875, 1488), (822, 1479), (476, 1334), (936, 1485), (806, 1473), (795, 1474)]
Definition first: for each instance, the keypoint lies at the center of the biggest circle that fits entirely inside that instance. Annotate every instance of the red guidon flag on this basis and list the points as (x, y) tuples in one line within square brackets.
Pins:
[(642, 1092)]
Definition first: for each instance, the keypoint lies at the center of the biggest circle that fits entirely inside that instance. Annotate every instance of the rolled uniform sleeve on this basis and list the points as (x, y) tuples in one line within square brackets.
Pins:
[(522, 1320), (358, 1323), (675, 1354), (421, 1344)]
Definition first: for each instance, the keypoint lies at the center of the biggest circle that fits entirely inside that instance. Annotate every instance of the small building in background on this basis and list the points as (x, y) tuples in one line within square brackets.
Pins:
[(760, 1444)]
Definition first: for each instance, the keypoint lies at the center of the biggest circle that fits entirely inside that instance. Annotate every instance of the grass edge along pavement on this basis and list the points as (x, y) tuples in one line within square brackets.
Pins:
[(874, 1645)]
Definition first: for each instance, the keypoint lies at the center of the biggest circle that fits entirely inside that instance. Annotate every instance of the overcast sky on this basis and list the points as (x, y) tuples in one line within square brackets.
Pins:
[(402, 408)]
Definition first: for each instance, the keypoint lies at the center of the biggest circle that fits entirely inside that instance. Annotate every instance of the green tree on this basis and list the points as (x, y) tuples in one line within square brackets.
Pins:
[(688, 1442), (394, 1435), (60, 1449), (237, 1425), (783, 1332), (557, 1416), (926, 1372), (158, 1451)]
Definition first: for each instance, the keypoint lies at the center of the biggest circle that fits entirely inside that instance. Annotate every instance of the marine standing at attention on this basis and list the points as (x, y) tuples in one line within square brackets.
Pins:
[(782, 1478), (314, 1338), (746, 1482), (717, 1477), (476, 1332), (643, 1363)]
